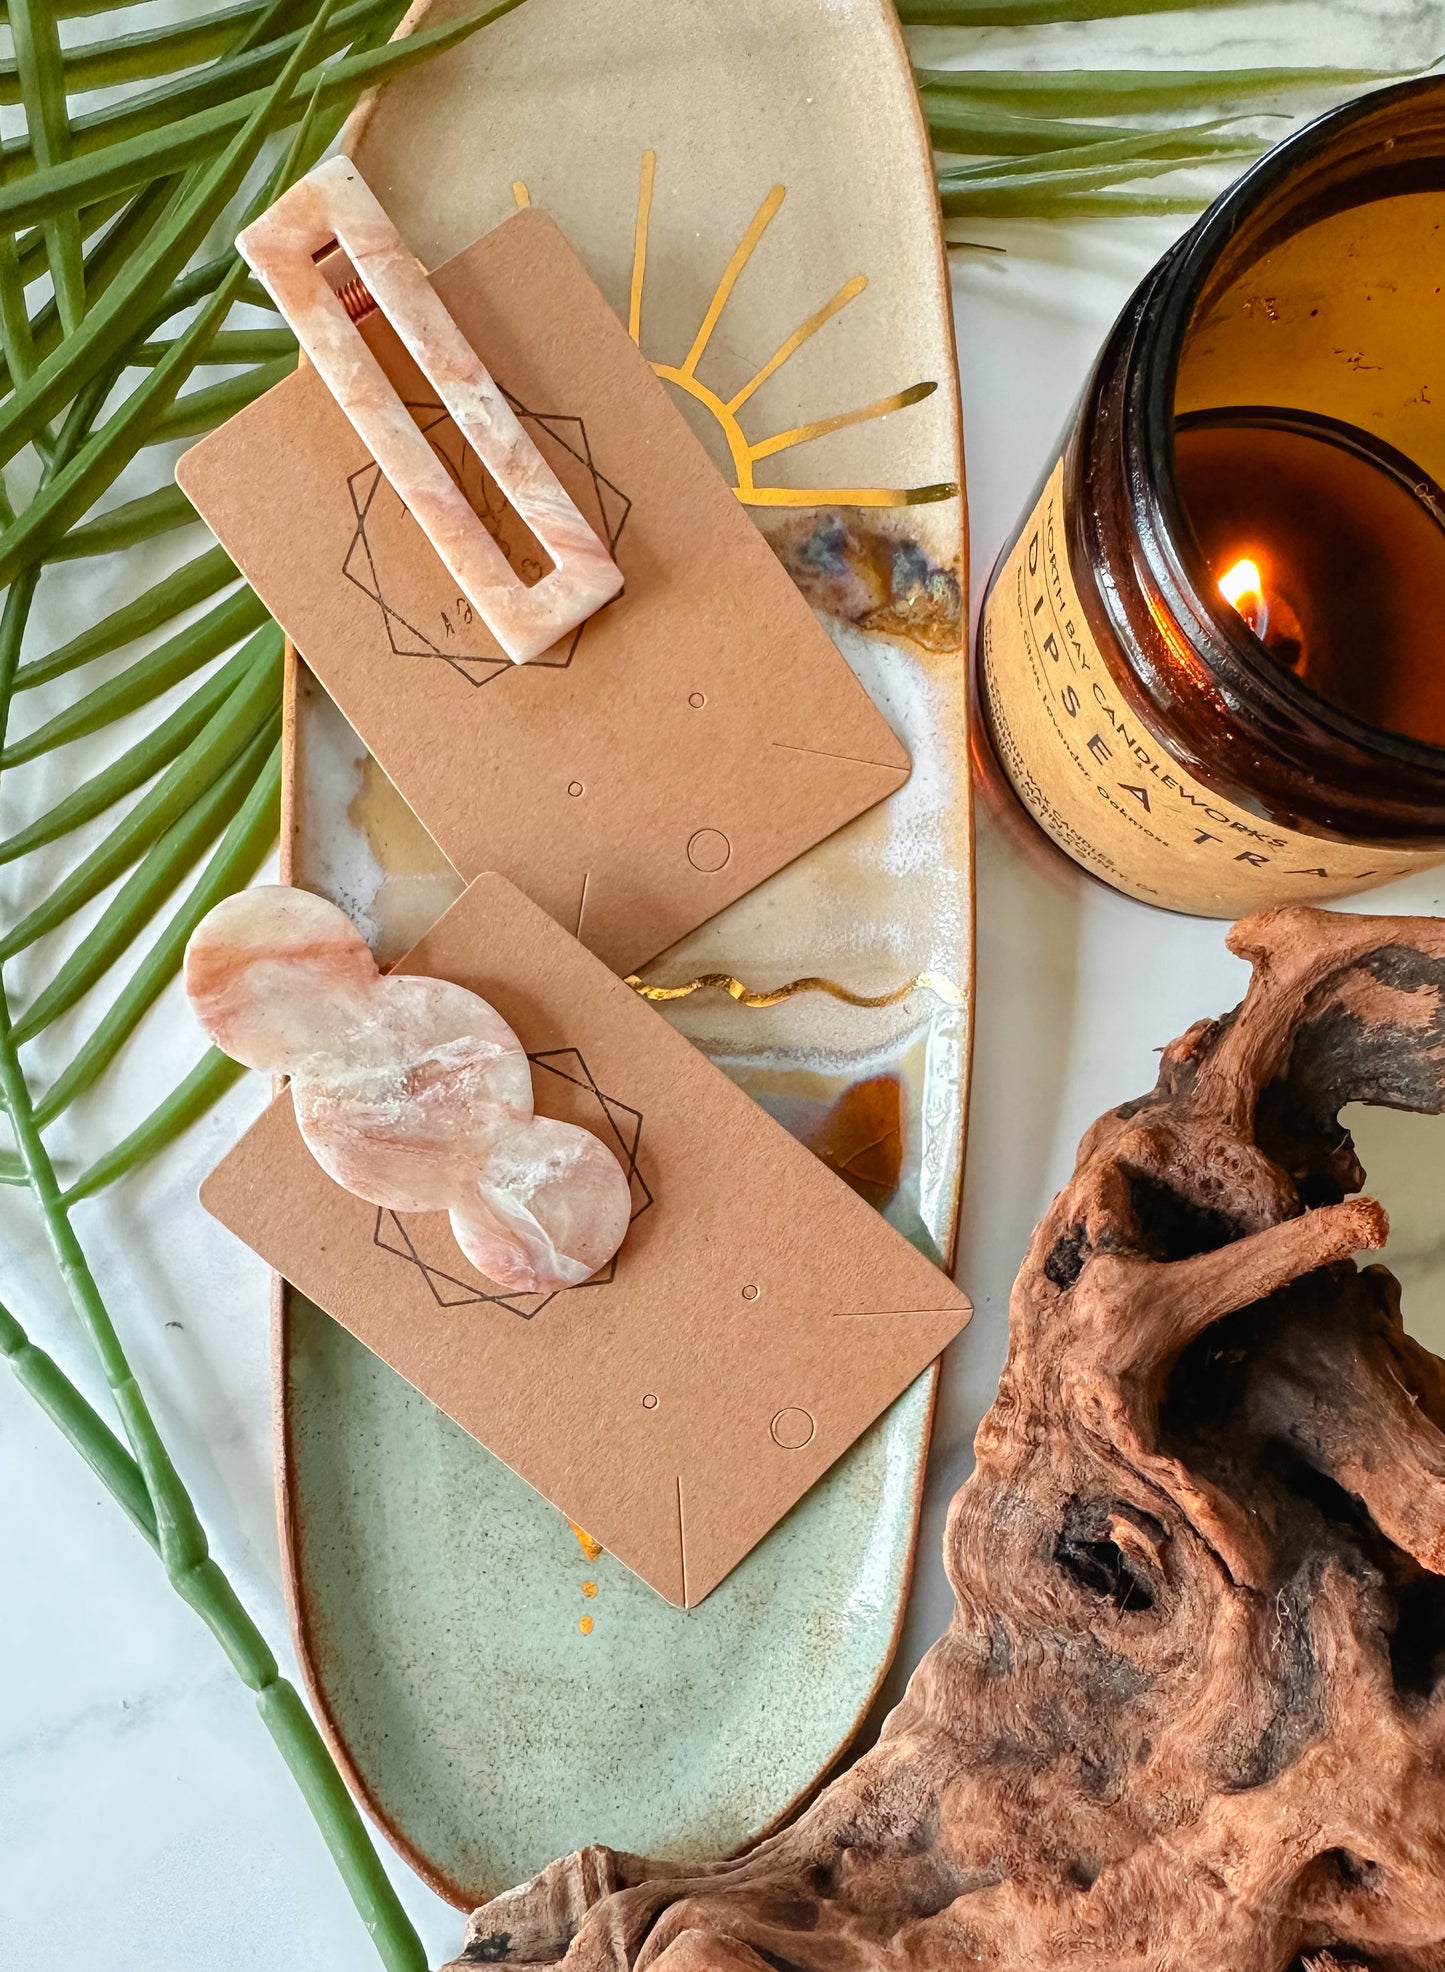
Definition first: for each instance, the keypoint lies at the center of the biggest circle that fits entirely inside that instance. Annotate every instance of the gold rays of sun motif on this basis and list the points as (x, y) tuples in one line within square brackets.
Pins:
[(747, 455)]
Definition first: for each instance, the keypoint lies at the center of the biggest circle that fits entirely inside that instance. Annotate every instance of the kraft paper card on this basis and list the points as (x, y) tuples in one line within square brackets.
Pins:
[(757, 1318), (689, 740)]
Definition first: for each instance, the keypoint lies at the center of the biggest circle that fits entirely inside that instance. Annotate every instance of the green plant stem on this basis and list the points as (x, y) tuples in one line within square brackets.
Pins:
[(178, 1534), (181, 1540), (157, 179), (145, 1482), (79, 1422)]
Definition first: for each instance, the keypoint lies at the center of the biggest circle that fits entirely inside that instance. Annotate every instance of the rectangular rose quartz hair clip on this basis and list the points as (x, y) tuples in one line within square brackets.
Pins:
[(334, 208)]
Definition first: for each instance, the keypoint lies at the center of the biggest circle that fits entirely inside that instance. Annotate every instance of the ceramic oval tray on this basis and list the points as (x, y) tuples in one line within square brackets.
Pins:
[(750, 184)]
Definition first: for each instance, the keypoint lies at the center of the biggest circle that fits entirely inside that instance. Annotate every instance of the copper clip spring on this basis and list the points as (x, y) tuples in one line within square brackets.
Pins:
[(354, 295)]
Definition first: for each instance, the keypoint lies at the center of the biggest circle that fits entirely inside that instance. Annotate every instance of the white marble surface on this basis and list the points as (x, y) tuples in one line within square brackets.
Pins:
[(146, 1822)]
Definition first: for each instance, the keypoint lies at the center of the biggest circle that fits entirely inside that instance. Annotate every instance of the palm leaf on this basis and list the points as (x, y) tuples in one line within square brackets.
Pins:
[(1112, 92), (195, 829), (33, 195), (123, 526), (177, 658), (69, 10), (41, 87), (964, 124), (194, 583), (246, 842), (134, 767), (129, 302), (132, 57), (103, 215), (1045, 161), (246, 68), (201, 1090), (1033, 13), (100, 266)]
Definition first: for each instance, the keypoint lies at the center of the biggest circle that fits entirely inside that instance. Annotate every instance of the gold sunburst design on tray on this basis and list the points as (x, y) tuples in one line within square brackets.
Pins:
[(746, 454)]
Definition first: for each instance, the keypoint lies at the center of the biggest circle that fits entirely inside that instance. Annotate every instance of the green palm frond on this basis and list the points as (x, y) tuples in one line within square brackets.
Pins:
[(1112, 91), (132, 57), (1038, 13), (113, 297), (1037, 125)]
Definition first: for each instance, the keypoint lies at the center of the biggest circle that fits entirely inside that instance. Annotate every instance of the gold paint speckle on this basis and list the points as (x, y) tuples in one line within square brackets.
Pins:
[(589, 1547), (589, 1589), (585, 1625)]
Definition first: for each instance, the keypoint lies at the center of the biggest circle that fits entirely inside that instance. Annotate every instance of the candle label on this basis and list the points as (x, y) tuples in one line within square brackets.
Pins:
[(1102, 783)]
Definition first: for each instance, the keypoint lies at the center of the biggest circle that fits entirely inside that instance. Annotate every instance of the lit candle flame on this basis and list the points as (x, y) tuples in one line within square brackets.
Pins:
[(1242, 587)]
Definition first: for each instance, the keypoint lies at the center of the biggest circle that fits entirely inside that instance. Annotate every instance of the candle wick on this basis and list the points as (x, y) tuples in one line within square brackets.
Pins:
[(1242, 587)]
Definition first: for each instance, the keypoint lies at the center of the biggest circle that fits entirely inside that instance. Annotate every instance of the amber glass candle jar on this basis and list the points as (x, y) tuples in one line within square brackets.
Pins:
[(1212, 661)]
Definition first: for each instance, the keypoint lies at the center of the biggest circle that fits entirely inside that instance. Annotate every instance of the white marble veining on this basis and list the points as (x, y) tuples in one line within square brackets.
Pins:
[(145, 1820)]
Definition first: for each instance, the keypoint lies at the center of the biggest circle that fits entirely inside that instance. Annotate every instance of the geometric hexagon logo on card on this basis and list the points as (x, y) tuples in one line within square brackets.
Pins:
[(381, 559), (424, 1240)]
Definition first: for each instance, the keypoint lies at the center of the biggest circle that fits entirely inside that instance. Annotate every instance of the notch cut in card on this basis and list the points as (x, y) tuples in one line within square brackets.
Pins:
[(757, 1318), (685, 743)]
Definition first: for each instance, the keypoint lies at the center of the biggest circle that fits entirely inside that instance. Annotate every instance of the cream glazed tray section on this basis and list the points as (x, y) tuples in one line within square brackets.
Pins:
[(750, 187)]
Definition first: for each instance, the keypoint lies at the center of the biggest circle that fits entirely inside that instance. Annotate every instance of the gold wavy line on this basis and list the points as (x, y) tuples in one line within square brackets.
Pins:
[(936, 983)]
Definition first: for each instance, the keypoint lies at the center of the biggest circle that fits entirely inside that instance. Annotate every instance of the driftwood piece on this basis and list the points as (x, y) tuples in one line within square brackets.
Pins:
[(1190, 1709)]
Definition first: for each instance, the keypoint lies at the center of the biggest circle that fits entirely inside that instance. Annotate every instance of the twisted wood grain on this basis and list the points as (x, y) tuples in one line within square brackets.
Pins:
[(1189, 1714)]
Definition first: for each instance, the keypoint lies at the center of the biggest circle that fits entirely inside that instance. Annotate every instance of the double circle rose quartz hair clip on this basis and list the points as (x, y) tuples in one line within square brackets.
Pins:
[(412, 1093)]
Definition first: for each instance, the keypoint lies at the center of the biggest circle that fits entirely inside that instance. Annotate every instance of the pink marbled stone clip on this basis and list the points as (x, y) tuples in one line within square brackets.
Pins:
[(334, 203), (411, 1093)]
